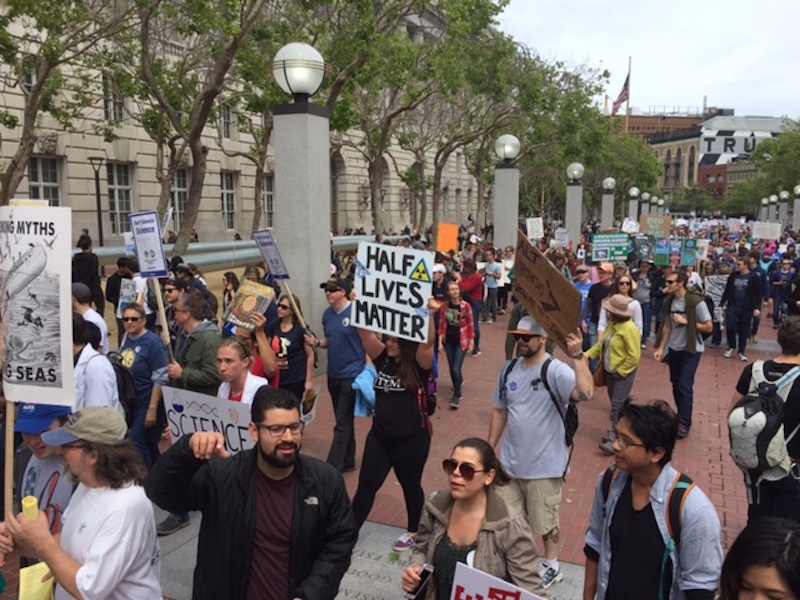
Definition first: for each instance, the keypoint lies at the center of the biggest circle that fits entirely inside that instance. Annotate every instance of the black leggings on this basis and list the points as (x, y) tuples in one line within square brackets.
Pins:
[(407, 456)]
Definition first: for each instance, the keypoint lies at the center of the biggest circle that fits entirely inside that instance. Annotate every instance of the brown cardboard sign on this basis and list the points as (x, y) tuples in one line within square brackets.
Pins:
[(547, 295), (656, 225)]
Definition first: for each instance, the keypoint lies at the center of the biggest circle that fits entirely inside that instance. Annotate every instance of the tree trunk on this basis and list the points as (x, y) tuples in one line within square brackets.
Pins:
[(198, 173)]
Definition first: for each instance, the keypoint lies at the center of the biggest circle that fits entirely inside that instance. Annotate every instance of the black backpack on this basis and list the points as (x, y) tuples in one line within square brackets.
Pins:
[(125, 387), (569, 416), (755, 426)]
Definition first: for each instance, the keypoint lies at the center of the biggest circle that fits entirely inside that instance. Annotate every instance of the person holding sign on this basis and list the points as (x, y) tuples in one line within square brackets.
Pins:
[(471, 523), (400, 437), (456, 330)]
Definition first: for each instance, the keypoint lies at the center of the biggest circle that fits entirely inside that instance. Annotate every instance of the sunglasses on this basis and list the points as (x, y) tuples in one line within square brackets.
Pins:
[(670, 281), (131, 319), (331, 290), (284, 306), (525, 338), (168, 290), (624, 283), (466, 470)]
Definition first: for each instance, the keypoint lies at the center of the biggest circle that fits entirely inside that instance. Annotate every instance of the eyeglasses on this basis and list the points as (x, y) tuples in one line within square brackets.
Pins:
[(131, 319), (331, 290), (277, 431), (525, 338), (624, 442), (466, 470), (284, 306), (181, 310)]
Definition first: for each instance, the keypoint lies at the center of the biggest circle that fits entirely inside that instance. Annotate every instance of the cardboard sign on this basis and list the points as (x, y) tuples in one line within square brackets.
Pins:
[(562, 237), (630, 226), (610, 246), (272, 256), (190, 412), (250, 298), (548, 296), (643, 246), (766, 230), (448, 237), (392, 288), (35, 268), (146, 231), (472, 584), (535, 226), (658, 226)]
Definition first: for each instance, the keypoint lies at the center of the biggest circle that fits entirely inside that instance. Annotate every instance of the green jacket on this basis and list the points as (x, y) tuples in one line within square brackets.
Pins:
[(198, 357)]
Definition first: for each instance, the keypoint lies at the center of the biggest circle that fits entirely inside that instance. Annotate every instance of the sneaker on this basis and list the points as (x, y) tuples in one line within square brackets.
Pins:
[(501, 312), (644, 346), (683, 431), (607, 447), (476, 353), (490, 322), (742, 357), (404, 542), (455, 402), (551, 576), (172, 523), (728, 353)]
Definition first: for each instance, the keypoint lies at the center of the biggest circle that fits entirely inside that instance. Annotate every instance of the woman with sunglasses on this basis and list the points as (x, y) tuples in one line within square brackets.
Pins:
[(233, 363), (472, 524), (145, 355), (295, 358), (400, 437), (457, 332), (623, 285)]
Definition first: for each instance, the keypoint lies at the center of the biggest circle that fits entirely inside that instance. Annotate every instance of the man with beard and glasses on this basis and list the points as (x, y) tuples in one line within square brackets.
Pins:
[(276, 524)]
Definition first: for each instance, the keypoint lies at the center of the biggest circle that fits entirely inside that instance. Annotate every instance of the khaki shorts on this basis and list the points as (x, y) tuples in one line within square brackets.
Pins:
[(538, 500)]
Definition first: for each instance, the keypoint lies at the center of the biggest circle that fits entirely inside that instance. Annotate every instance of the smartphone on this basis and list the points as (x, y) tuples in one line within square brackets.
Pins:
[(424, 577)]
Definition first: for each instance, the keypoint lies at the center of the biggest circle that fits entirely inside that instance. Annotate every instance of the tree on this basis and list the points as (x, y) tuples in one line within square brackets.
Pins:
[(50, 50), (779, 159)]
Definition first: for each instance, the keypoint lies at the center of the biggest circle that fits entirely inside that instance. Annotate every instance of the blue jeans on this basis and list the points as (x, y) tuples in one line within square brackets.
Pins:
[(490, 308), (455, 358), (738, 325), (682, 367), (716, 335), (776, 499), (647, 320), (477, 306), (593, 364), (146, 440)]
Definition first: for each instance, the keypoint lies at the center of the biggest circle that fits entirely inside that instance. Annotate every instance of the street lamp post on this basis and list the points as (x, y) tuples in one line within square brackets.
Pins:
[(661, 207), (607, 207), (574, 208), (796, 207), (773, 207), (644, 205), (97, 164), (764, 216), (506, 187), (784, 206), (301, 138)]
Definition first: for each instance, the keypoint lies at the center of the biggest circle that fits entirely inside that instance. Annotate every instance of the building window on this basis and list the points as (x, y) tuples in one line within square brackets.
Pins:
[(268, 195), (712, 179), (29, 74), (120, 197), (113, 101), (43, 180), (228, 195), (226, 121), (180, 193)]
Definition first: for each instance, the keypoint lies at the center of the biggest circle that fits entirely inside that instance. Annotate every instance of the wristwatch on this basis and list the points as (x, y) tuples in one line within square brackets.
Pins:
[(577, 356)]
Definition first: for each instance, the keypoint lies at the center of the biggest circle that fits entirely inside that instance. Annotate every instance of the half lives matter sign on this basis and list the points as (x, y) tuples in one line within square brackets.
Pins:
[(392, 288)]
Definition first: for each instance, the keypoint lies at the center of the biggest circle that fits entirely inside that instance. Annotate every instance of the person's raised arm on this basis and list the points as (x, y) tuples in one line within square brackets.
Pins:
[(265, 351), (584, 382), (372, 345), (425, 351)]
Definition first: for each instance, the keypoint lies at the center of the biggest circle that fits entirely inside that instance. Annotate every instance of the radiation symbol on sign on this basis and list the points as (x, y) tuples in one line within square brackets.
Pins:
[(420, 272)]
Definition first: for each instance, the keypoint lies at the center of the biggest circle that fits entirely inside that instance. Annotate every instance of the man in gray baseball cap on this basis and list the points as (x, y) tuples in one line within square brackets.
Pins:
[(108, 546)]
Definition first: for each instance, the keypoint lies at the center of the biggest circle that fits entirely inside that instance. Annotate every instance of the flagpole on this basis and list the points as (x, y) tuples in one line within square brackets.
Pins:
[(628, 101)]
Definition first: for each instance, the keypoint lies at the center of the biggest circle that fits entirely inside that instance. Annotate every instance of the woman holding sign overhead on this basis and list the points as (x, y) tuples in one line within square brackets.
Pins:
[(400, 437)]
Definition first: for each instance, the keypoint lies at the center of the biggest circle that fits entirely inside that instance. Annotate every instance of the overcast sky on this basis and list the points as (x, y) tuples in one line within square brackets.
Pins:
[(741, 54)]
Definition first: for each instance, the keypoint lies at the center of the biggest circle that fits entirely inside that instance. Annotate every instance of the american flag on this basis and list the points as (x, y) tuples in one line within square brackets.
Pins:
[(623, 96)]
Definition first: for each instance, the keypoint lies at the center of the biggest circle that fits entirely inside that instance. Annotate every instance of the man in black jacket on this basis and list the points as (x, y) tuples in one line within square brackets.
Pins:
[(741, 301), (276, 524)]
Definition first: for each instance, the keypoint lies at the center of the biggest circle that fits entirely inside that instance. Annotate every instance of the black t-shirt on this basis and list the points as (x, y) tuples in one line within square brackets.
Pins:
[(791, 418), (290, 352), (397, 412), (453, 316), (597, 293), (637, 550)]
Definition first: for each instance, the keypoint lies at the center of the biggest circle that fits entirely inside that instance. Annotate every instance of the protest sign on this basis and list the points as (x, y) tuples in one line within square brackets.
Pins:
[(630, 226), (677, 252), (448, 237), (535, 226), (766, 230), (250, 298), (610, 246), (562, 237), (146, 231), (702, 248), (127, 295), (715, 287), (35, 267), (272, 256), (548, 296), (472, 584), (308, 405), (643, 246), (656, 225), (392, 288), (190, 412)]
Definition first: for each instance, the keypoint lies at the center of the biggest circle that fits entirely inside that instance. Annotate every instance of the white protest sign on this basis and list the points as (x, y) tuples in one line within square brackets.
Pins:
[(272, 256), (190, 412), (35, 268), (392, 288), (702, 248), (127, 295), (562, 237), (535, 227), (766, 230), (630, 226), (130, 247), (149, 249), (472, 584)]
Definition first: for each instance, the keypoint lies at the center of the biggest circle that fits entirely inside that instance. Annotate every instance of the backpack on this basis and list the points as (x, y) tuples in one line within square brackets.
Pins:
[(758, 443), (678, 493), (125, 387), (569, 416)]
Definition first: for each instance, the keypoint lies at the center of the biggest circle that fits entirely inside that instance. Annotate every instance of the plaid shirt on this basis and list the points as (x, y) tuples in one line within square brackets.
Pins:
[(466, 327)]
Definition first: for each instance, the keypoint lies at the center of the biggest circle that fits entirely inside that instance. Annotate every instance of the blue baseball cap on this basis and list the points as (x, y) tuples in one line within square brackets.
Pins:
[(36, 418)]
